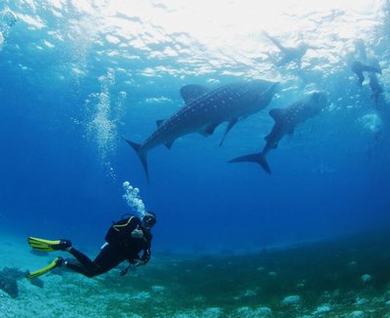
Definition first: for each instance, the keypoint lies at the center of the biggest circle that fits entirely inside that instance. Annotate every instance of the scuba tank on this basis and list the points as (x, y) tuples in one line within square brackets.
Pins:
[(120, 231)]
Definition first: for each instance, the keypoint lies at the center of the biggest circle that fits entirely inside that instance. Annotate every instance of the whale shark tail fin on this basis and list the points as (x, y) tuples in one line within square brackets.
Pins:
[(257, 158), (141, 155)]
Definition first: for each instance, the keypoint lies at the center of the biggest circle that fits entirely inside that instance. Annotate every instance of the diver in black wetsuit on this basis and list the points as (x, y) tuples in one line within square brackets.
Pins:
[(376, 88), (125, 240), (358, 68), (363, 63)]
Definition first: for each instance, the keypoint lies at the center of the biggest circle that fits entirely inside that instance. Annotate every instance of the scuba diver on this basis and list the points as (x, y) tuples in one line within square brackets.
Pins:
[(362, 62), (125, 240), (289, 54), (358, 68), (376, 88)]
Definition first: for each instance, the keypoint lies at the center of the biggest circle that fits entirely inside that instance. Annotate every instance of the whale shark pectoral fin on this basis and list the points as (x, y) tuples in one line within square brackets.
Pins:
[(169, 144), (230, 125), (277, 114), (159, 122), (208, 130), (191, 92)]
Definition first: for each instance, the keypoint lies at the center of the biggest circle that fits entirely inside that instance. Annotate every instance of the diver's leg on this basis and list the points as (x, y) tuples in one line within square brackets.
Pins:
[(78, 268), (107, 259), (81, 257), (360, 78), (84, 265)]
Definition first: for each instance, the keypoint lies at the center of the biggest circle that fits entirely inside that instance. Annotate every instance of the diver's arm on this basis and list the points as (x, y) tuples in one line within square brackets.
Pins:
[(137, 233), (275, 42), (134, 263), (371, 69), (136, 230), (147, 253), (145, 258)]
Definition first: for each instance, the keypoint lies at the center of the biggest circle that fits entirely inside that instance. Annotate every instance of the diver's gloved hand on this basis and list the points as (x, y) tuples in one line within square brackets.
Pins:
[(137, 233), (131, 267), (144, 259)]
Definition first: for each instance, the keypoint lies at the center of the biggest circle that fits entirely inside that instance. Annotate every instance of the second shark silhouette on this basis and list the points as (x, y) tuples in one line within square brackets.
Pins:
[(286, 120)]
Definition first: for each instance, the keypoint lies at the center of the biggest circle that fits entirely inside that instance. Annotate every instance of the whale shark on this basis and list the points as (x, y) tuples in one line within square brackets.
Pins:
[(286, 120), (205, 109)]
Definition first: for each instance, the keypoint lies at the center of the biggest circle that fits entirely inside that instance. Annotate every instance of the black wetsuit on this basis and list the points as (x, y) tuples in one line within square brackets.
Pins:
[(123, 247)]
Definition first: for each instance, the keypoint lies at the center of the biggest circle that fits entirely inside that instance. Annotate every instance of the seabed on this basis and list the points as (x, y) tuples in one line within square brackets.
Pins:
[(347, 277)]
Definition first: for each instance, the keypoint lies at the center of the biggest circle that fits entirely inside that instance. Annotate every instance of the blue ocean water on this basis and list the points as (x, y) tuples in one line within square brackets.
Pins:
[(77, 76)]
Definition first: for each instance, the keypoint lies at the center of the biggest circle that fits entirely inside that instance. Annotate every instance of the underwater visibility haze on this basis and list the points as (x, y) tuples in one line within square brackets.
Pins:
[(257, 132)]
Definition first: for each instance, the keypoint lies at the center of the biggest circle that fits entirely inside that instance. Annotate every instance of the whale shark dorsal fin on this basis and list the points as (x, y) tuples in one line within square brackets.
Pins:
[(191, 92), (159, 122), (277, 114)]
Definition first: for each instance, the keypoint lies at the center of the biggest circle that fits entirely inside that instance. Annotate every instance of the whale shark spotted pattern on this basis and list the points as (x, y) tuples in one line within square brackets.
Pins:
[(206, 109)]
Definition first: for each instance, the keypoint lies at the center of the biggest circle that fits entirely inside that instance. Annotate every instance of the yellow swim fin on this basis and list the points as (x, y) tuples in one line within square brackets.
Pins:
[(53, 264), (48, 245)]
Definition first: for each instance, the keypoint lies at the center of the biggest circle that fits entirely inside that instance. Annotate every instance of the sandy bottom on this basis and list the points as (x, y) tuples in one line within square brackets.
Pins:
[(345, 278)]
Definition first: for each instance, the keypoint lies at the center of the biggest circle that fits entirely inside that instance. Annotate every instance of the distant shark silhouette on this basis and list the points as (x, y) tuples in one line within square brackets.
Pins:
[(285, 122), (205, 109)]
